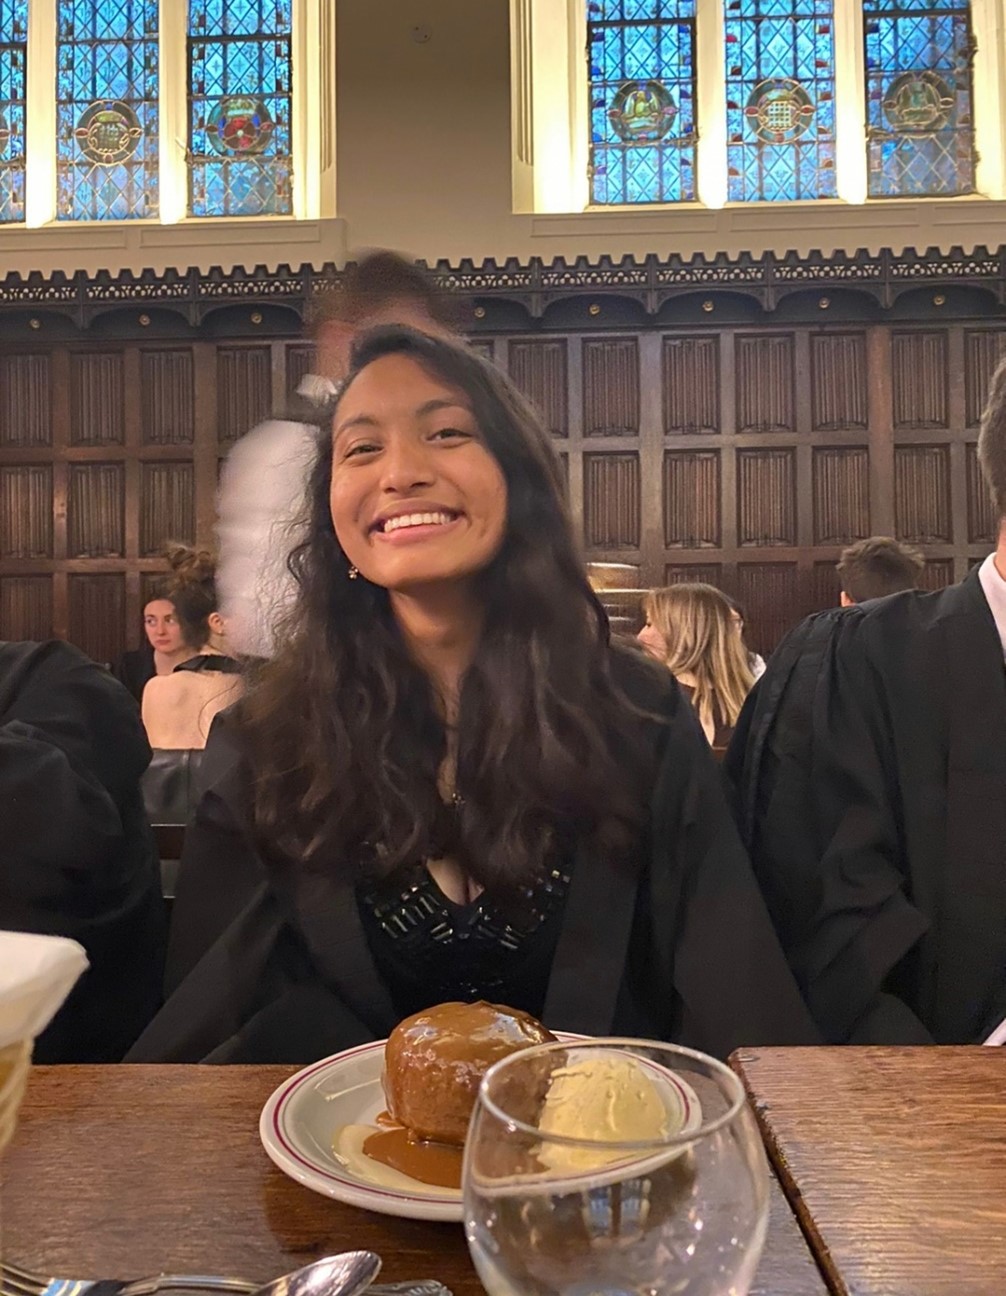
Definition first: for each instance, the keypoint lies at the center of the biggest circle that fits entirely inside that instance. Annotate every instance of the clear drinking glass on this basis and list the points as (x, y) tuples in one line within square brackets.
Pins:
[(610, 1166)]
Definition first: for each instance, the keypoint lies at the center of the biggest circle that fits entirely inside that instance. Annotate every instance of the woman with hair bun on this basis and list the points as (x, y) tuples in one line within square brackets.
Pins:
[(178, 708)]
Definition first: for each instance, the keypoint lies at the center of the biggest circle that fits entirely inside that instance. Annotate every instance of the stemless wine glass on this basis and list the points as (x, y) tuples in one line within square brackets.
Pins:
[(610, 1166)]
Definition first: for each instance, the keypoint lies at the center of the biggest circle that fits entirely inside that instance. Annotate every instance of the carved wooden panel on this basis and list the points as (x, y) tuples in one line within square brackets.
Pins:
[(244, 389), (611, 504), (150, 583), (983, 349), (95, 511), (937, 573), (97, 609), (166, 387), (708, 497), (919, 379), (765, 383), (167, 505), (838, 381), (692, 499), (611, 387), (770, 595), (766, 497), (983, 526), (691, 384), (825, 587), (538, 367), (26, 511), (299, 363), (25, 410), (96, 405), (841, 478), (26, 607), (706, 573), (922, 494)]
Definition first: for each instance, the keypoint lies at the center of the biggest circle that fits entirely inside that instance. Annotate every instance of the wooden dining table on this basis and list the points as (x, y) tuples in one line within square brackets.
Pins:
[(894, 1160), (119, 1171)]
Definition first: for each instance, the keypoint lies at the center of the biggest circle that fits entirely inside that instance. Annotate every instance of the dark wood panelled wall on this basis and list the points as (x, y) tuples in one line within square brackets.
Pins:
[(737, 422)]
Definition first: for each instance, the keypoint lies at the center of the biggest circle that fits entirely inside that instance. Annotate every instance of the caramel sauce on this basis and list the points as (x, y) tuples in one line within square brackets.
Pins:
[(438, 1164)]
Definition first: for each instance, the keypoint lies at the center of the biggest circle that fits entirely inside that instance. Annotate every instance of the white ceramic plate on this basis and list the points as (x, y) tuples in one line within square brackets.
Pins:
[(301, 1120), (303, 1117)]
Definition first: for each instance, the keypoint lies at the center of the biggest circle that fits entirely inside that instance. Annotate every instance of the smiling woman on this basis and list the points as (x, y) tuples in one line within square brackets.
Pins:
[(417, 498), (448, 784)]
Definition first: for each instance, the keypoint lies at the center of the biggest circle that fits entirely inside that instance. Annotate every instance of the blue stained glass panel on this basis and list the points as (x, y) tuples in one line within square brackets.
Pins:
[(13, 59), (641, 75), (780, 86), (919, 98), (106, 109), (240, 108)]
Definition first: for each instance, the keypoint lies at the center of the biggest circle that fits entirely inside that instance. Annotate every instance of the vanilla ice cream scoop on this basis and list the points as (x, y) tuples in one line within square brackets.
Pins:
[(607, 1097)]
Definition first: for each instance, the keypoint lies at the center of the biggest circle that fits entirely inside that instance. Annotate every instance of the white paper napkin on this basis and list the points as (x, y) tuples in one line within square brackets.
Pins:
[(36, 975)]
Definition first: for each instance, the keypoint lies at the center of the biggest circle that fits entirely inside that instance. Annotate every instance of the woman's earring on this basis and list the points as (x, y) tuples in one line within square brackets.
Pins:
[(353, 573)]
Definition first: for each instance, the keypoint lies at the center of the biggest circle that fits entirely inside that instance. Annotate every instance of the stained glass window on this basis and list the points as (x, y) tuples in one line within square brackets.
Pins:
[(641, 62), (780, 84), (240, 107), (13, 57), (920, 134), (106, 109)]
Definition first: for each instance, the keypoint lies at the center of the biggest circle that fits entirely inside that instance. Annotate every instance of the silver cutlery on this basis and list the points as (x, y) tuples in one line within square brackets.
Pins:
[(16, 1280)]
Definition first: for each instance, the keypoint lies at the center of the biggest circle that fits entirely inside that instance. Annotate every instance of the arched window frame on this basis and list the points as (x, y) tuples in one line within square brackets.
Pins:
[(549, 107), (313, 122)]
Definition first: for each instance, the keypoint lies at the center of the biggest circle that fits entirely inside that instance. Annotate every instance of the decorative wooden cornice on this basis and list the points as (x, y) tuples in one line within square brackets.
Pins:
[(768, 278), (512, 295)]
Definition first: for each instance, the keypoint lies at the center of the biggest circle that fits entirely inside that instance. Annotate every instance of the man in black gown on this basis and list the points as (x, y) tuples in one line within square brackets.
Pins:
[(870, 772), (77, 857)]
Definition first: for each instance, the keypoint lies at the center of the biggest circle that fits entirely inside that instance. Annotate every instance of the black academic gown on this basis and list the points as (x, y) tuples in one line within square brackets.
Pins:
[(272, 965), (77, 857), (134, 669), (870, 770)]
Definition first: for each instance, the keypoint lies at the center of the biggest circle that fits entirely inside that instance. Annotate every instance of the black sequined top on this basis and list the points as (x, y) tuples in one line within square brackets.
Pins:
[(430, 950)]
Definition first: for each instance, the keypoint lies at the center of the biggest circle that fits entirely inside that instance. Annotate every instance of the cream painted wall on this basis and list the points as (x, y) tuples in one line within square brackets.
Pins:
[(423, 127)]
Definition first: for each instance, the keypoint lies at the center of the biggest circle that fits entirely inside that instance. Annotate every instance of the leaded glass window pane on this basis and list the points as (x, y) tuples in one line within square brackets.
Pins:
[(641, 63), (13, 57), (240, 107), (920, 129), (780, 84), (106, 109)]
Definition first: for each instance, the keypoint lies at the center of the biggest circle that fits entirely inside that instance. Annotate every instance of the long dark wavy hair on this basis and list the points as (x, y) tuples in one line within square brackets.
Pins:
[(342, 728)]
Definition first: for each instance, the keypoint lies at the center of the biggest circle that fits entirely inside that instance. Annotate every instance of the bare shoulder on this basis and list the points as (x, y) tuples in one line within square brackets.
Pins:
[(178, 709)]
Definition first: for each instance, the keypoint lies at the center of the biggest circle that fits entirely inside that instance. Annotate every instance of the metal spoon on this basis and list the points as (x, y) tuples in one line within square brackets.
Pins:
[(347, 1274)]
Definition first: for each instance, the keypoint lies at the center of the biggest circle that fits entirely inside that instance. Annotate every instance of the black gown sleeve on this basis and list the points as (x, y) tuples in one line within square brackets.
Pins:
[(70, 745), (77, 856), (220, 869), (729, 973), (240, 985), (819, 796)]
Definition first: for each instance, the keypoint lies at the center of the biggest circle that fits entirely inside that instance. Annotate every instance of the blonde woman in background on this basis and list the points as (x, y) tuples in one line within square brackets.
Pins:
[(691, 629)]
